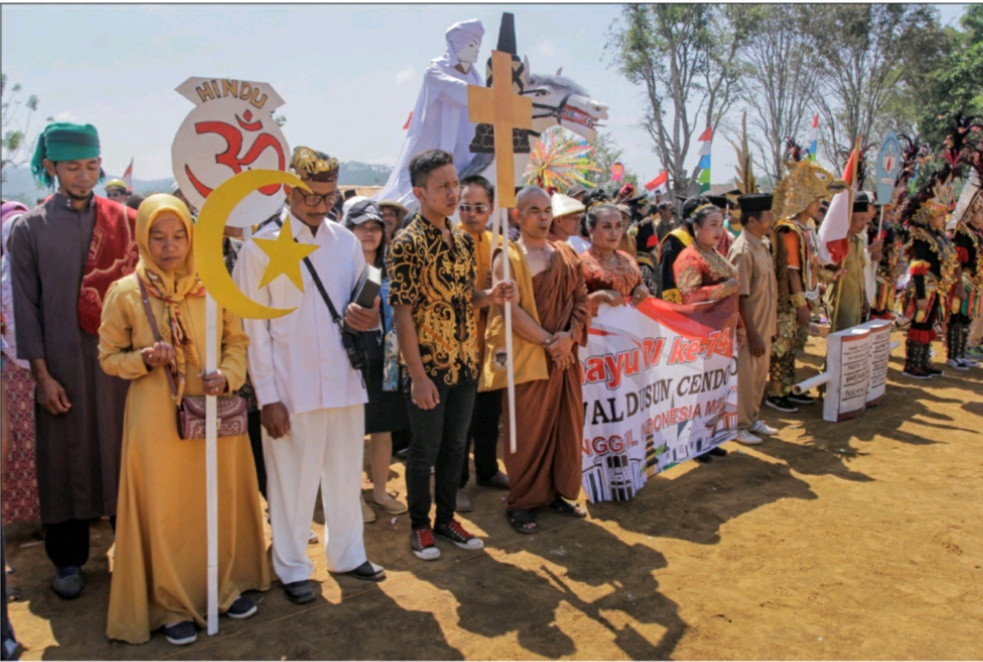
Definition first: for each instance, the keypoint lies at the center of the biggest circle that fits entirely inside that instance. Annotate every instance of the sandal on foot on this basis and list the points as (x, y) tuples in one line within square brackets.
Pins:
[(564, 507), (523, 521)]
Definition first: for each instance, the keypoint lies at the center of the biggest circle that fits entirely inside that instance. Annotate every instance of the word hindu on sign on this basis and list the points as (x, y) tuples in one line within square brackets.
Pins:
[(229, 88)]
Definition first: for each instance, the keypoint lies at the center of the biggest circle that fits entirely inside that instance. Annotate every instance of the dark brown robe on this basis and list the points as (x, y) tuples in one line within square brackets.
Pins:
[(78, 453), (550, 412)]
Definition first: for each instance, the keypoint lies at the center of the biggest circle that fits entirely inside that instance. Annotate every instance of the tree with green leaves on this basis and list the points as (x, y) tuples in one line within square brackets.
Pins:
[(685, 57), (955, 86), (16, 120)]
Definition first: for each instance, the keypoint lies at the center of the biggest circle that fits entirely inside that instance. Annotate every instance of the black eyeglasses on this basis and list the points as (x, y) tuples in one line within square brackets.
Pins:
[(115, 194), (329, 199), (467, 209)]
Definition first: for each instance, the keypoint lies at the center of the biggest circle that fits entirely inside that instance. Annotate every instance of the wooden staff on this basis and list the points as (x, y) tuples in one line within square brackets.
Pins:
[(499, 106), (211, 462)]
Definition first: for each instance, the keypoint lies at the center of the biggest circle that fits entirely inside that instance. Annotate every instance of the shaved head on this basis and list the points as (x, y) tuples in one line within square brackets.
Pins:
[(533, 212), (528, 195)]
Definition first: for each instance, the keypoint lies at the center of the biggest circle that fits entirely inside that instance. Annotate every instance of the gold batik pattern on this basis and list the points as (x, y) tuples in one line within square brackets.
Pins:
[(437, 280)]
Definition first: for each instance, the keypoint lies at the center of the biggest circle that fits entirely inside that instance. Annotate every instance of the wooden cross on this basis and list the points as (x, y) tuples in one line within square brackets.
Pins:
[(498, 106)]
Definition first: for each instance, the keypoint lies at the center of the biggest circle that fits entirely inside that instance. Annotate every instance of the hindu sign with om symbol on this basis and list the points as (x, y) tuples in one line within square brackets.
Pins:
[(230, 130)]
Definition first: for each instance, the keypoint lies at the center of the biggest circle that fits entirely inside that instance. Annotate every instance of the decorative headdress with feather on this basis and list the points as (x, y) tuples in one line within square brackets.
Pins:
[(973, 190), (934, 196)]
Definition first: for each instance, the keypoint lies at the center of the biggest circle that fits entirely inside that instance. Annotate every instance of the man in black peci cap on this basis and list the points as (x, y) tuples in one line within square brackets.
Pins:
[(758, 308)]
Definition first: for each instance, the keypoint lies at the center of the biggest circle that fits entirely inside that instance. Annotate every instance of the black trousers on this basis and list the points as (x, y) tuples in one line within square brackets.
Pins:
[(484, 434), (255, 428), (439, 440), (67, 543)]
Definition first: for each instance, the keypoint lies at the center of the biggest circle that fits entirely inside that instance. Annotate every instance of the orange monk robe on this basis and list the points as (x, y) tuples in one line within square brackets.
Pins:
[(550, 412)]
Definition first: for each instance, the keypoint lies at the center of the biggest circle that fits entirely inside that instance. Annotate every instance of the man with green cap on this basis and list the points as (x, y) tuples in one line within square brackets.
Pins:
[(64, 255)]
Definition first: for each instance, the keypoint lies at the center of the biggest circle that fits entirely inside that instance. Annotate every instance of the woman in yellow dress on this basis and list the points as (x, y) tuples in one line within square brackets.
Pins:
[(160, 566)]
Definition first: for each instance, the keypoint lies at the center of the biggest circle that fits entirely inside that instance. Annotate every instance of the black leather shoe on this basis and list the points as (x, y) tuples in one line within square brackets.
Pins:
[(368, 571), (300, 592)]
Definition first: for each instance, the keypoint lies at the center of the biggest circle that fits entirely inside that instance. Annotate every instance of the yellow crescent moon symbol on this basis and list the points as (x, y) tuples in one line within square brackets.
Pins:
[(208, 241)]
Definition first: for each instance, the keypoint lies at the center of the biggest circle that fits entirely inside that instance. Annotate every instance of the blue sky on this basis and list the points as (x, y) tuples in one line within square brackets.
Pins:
[(349, 74)]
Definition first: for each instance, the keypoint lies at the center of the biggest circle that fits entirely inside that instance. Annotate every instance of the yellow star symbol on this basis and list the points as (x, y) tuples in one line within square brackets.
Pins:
[(285, 256)]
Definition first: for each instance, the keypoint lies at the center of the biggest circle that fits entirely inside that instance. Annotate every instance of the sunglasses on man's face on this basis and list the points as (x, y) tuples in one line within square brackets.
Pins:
[(477, 209), (115, 194)]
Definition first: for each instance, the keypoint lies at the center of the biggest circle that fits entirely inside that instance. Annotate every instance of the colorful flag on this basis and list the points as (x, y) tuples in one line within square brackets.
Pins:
[(704, 166), (617, 171), (128, 176), (833, 239), (814, 139), (658, 182)]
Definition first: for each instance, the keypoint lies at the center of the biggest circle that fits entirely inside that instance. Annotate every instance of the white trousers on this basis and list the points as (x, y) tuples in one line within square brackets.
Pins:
[(323, 449)]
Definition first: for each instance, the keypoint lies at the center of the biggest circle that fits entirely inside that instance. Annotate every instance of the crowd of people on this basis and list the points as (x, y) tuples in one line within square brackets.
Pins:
[(104, 328)]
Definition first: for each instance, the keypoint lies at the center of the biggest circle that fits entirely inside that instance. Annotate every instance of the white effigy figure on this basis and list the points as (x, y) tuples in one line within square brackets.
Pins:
[(440, 118)]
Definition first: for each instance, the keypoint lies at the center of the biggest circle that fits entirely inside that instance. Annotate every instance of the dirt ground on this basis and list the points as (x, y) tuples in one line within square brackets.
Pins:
[(857, 540)]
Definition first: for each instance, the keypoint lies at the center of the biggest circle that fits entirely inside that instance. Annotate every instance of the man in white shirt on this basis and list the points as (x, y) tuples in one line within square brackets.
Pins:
[(311, 397)]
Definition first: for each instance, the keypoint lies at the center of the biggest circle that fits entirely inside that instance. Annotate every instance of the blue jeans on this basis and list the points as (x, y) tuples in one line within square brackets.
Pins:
[(439, 440)]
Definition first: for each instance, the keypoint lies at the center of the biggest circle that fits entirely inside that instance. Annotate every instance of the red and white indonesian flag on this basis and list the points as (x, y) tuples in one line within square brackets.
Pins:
[(833, 240)]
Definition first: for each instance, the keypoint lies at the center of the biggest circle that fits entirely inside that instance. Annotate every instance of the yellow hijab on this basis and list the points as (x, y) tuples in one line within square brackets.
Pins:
[(170, 286)]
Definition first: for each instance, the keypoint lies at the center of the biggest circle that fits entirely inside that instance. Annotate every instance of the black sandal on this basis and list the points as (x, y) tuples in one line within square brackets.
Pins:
[(564, 507), (523, 521)]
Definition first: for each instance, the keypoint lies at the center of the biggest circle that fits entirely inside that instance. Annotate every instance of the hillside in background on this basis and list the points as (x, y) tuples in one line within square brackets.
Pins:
[(19, 184)]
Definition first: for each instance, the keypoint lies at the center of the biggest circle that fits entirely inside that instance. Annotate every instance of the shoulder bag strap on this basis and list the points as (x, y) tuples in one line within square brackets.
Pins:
[(317, 282), (153, 326)]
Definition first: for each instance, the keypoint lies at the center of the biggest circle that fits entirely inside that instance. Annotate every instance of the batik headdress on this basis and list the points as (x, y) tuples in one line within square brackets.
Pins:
[(308, 163), (804, 183)]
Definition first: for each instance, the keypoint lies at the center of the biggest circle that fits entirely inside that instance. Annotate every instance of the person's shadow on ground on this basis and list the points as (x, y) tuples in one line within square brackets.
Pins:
[(583, 568), (695, 505)]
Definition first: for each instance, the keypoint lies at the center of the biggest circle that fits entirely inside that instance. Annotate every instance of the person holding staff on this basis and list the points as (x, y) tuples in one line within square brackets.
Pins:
[(160, 567)]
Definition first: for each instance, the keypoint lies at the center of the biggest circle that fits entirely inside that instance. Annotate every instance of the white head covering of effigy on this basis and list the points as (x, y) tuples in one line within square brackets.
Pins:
[(459, 34)]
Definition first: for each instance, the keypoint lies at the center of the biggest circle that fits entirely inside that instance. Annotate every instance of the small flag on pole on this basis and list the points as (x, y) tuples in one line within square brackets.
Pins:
[(704, 177), (128, 176), (814, 138), (834, 231), (658, 182)]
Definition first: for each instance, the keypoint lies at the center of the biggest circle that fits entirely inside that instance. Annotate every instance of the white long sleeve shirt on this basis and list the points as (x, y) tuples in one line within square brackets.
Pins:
[(298, 359)]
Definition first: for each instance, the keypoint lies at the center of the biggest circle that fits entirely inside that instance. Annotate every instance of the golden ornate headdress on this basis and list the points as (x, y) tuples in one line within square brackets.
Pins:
[(308, 163), (804, 183)]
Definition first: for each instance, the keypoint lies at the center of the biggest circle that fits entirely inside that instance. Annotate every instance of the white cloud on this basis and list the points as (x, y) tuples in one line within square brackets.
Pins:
[(546, 47), (406, 74)]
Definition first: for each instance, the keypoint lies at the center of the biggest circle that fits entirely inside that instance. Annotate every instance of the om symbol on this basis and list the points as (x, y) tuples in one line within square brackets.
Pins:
[(230, 158)]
